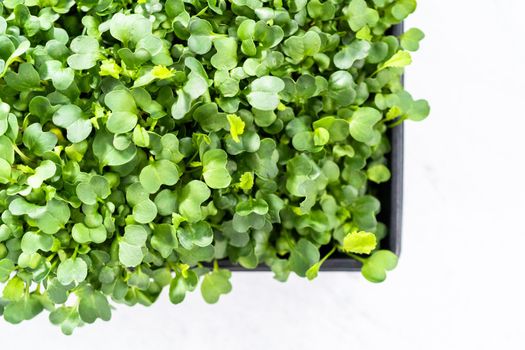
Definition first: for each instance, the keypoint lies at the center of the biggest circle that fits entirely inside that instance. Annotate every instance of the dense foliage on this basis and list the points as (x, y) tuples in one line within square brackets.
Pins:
[(143, 142)]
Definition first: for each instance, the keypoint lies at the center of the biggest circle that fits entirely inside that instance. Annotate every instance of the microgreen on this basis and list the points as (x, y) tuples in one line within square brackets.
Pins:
[(142, 143), (214, 284)]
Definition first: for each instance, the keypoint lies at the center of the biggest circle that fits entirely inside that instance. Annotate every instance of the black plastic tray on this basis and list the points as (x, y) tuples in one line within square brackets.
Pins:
[(390, 195)]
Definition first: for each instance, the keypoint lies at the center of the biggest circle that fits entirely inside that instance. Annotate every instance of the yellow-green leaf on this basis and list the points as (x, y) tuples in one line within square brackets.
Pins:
[(161, 72), (359, 242), (246, 181), (236, 126), (110, 68), (400, 59)]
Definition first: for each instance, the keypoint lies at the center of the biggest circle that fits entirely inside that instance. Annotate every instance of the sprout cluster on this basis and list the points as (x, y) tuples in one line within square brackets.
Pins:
[(144, 142)]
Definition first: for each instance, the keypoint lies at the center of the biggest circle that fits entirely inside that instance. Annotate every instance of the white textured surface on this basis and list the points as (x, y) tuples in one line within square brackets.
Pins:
[(459, 282)]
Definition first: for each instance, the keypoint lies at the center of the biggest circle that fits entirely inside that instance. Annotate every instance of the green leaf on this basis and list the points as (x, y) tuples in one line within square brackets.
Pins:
[(201, 37), (61, 77), (5, 171), (93, 305), (144, 210), (67, 317), (306, 86), (411, 38), (209, 118), (56, 292), (402, 8), (362, 125), (364, 210), (357, 50), (322, 11), (264, 160), (375, 267), (71, 270), (20, 206), (215, 284), (264, 93), (3, 25), (130, 247), (418, 111), (360, 15), (97, 188), (85, 55), (226, 56), (123, 117), (121, 122), (164, 239), (83, 234), (247, 207), (321, 136), (53, 218), (129, 28), (6, 267), (195, 86), (300, 47), (214, 169), (107, 154), (341, 88), (130, 255), (71, 118), (141, 137), (162, 172), (166, 202), (38, 141), (7, 151), (120, 100), (41, 107), (303, 256), (26, 78), (192, 195), (4, 115), (44, 171), (32, 242), (14, 289), (24, 309), (19, 51), (183, 282), (378, 173), (198, 233)]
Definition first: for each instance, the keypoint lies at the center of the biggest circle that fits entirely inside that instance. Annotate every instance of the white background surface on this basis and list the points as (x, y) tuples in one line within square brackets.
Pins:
[(459, 284)]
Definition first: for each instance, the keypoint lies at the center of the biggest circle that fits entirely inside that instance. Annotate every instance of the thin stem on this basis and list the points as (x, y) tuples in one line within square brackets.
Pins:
[(357, 257), (53, 265), (75, 252), (202, 11), (24, 158), (49, 258), (377, 71), (153, 125), (328, 255)]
